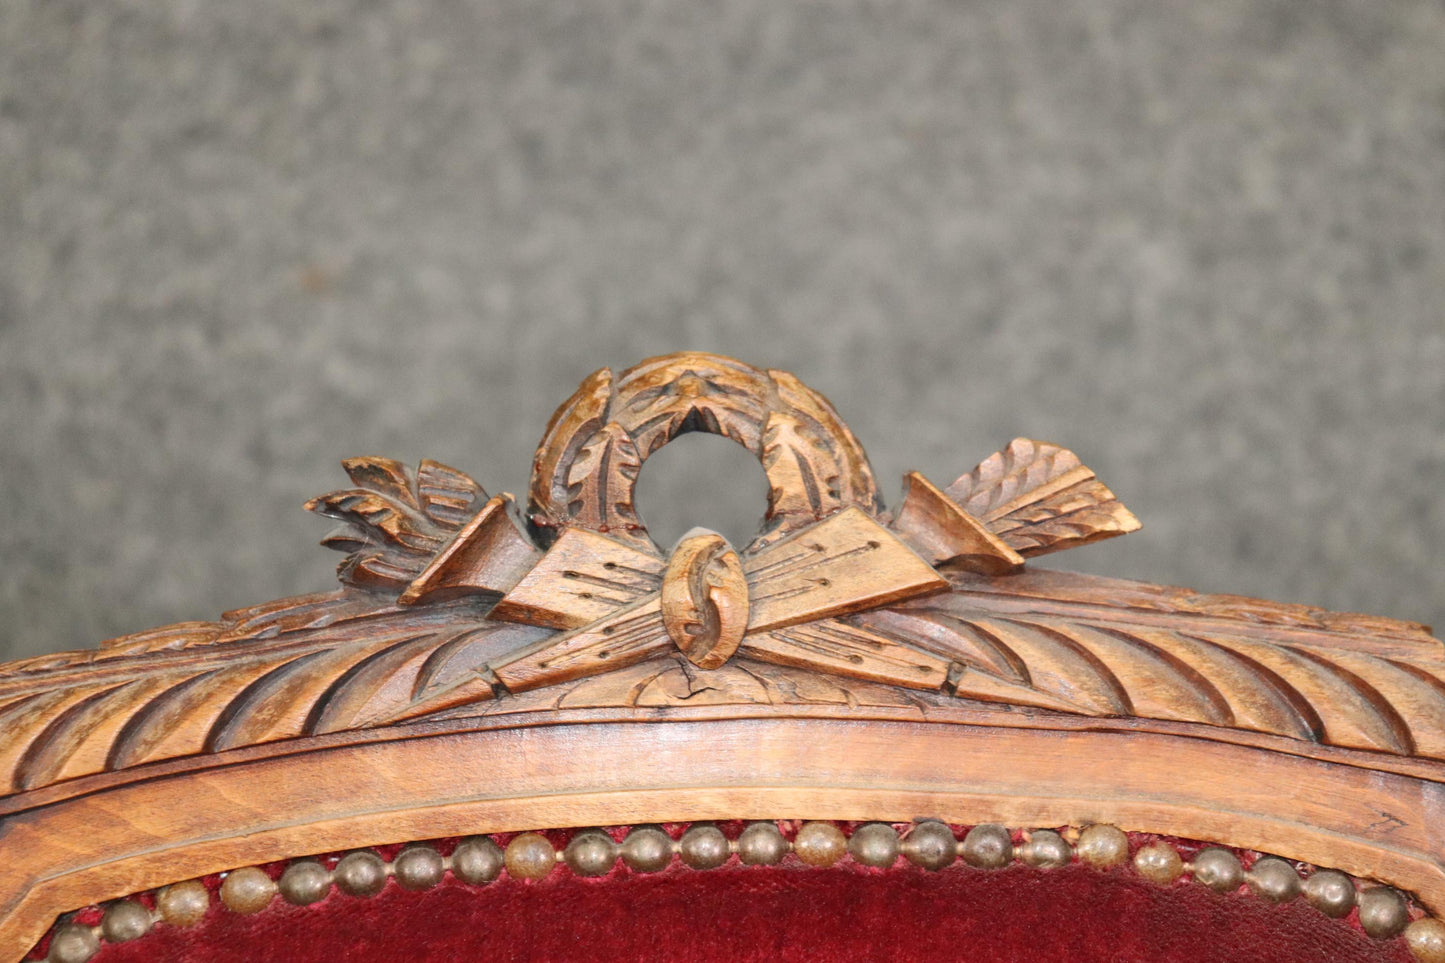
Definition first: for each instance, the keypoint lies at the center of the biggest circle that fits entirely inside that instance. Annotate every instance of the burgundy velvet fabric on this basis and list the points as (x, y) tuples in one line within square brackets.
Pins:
[(785, 913)]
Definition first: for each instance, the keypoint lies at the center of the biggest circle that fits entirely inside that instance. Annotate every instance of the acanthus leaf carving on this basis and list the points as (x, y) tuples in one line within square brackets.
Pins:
[(366, 667)]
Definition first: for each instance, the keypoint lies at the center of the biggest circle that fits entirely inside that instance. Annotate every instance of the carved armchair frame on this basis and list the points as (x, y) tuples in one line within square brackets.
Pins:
[(480, 672)]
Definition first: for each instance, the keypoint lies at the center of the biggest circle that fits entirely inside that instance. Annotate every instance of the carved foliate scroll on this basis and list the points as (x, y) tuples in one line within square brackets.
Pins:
[(455, 604)]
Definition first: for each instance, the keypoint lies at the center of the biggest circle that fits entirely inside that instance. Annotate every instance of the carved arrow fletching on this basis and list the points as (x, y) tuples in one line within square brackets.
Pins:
[(1023, 466), (1040, 498), (378, 519), (387, 477)]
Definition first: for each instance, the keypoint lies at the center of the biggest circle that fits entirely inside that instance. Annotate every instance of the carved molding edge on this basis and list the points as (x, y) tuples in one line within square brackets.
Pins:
[(257, 805)]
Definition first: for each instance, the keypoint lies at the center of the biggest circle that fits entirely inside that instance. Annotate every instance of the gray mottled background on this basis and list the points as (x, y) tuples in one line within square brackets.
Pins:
[(1201, 243)]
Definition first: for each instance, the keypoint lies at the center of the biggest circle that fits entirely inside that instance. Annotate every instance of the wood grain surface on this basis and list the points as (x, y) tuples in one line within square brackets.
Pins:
[(480, 672)]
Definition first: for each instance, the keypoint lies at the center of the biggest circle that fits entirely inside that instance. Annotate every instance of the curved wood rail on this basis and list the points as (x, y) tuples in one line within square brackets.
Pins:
[(305, 799)]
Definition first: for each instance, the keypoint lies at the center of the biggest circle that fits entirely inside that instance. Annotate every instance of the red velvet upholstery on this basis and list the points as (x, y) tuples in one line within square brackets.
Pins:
[(1069, 915)]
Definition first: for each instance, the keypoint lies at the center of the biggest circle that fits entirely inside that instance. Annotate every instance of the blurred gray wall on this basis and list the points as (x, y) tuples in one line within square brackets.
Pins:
[(1201, 243)]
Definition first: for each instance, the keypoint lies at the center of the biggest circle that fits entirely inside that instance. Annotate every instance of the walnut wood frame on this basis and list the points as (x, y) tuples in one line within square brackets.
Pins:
[(1356, 787)]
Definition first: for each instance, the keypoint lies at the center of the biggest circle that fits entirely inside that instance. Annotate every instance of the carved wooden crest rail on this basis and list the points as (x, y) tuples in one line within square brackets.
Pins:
[(450, 603), (456, 610)]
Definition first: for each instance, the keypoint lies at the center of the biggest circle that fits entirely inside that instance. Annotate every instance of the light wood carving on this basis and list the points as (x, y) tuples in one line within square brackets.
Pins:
[(458, 618)]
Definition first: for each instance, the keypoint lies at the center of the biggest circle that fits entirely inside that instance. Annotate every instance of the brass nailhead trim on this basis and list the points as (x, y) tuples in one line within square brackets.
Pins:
[(930, 844)]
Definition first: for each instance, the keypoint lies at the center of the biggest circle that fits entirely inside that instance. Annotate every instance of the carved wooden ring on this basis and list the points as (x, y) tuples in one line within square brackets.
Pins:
[(586, 468)]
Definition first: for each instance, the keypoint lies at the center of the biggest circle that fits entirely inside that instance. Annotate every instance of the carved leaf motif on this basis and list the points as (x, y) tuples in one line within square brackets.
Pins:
[(253, 623), (1313, 686), (364, 669), (662, 398), (571, 425), (1040, 498), (395, 521), (179, 636), (855, 480), (1091, 647), (793, 429), (802, 485), (327, 663), (601, 483), (1049, 590)]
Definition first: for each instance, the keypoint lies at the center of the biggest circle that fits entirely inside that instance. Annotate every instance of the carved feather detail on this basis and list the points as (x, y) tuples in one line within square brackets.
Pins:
[(1316, 687), (1040, 498), (366, 667), (395, 521)]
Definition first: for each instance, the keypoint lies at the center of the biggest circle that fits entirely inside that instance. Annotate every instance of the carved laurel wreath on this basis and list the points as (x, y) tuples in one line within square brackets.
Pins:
[(452, 604)]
